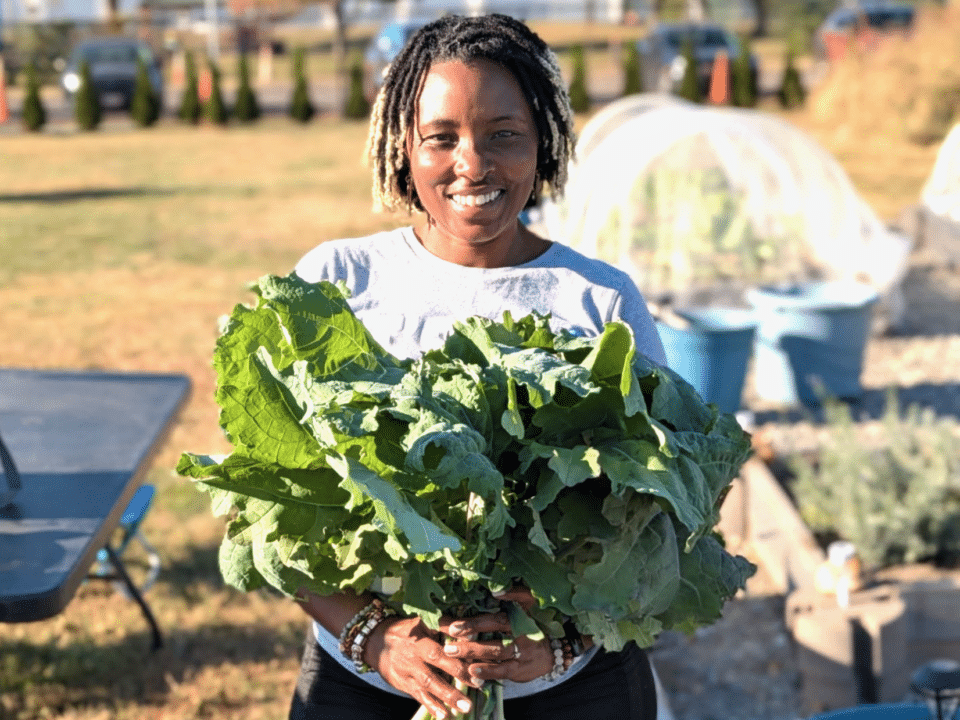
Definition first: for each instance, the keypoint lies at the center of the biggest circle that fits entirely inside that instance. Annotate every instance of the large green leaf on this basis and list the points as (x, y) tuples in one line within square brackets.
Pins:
[(392, 510)]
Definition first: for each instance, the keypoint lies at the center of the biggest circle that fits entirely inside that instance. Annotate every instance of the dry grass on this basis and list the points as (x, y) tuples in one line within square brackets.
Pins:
[(121, 250), (904, 90)]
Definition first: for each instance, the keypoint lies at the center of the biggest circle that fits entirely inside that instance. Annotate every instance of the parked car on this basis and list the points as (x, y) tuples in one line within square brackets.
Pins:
[(113, 69), (663, 62), (383, 48), (868, 19)]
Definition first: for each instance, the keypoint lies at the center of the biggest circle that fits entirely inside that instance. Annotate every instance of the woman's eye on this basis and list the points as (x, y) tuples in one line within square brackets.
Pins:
[(440, 139)]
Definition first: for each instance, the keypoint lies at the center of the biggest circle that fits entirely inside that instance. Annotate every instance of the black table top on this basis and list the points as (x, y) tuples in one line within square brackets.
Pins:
[(82, 442)]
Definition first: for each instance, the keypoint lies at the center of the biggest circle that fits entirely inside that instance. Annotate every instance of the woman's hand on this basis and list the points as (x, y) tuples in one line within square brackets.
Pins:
[(410, 657), (520, 659)]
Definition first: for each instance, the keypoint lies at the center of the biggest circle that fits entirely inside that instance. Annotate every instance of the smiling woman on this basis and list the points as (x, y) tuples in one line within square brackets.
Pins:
[(471, 125)]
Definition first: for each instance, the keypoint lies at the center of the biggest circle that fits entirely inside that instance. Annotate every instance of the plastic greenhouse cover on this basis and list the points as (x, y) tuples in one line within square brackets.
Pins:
[(687, 198), (941, 192)]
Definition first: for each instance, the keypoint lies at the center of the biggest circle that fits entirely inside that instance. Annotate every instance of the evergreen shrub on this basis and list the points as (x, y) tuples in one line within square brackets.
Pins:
[(190, 106), (579, 97), (86, 103), (215, 109), (690, 82), (146, 106), (791, 93), (246, 109), (301, 109), (743, 89), (632, 70), (357, 106), (34, 113)]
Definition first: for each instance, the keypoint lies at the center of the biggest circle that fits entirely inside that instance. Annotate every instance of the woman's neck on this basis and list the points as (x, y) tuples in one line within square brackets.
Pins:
[(518, 248)]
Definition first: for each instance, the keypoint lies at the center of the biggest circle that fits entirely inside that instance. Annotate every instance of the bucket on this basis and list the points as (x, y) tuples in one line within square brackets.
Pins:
[(711, 352), (810, 340)]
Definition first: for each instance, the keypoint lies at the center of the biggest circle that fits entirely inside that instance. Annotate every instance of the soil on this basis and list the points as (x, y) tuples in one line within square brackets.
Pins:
[(743, 667)]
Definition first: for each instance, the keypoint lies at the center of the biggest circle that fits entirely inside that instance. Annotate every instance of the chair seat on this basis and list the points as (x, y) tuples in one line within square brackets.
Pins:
[(130, 521), (138, 506)]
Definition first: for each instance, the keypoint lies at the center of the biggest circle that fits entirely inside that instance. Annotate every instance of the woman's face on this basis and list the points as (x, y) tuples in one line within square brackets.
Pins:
[(473, 162)]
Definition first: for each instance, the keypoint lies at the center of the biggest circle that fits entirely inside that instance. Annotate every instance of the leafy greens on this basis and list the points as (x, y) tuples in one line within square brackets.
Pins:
[(512, 453)]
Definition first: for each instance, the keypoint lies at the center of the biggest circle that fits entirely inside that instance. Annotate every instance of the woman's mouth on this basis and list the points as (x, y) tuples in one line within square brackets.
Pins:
[(476, 200)]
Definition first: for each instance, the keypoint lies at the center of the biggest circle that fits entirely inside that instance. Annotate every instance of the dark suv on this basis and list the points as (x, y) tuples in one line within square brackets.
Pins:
[(661, 54), (113, 69), (859, 23)]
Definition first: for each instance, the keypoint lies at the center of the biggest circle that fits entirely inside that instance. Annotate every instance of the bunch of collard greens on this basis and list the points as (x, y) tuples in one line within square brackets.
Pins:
[(511, 454)]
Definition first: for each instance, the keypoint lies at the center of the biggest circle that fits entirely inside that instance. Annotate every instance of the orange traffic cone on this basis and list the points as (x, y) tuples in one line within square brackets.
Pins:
[(4, 107), (205, 85), (720, 80)]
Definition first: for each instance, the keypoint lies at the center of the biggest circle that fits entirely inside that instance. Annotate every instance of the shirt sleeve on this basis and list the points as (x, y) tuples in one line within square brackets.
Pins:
[(631, 308)]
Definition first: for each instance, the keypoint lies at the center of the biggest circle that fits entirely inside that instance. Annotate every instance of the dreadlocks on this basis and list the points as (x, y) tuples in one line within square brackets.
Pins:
[(498, 38)]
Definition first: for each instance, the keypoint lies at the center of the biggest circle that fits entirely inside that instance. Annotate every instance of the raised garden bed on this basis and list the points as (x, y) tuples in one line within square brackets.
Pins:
[(865, 651)]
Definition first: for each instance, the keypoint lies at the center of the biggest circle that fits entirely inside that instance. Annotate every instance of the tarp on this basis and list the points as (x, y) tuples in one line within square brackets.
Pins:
[(941, 192), (687, 198)]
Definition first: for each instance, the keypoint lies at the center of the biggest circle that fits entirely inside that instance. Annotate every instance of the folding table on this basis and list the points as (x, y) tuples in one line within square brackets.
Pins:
[(82, 442)]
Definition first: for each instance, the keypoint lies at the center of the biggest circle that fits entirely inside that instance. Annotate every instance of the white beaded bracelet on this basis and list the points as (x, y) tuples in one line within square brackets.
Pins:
[(559, 665)]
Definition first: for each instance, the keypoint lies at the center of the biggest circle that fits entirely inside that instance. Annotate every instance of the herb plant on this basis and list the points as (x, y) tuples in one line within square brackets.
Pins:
[(510, 454), (896, 499)]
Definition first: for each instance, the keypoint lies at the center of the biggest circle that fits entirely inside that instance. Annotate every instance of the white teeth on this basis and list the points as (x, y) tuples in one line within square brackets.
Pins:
[(475, 200)]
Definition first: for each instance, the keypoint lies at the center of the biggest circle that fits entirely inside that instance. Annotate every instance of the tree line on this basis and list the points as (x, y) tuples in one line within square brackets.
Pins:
[(202, 99)]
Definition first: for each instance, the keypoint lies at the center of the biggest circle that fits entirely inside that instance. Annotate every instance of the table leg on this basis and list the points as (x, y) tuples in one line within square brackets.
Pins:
[(135, 592)]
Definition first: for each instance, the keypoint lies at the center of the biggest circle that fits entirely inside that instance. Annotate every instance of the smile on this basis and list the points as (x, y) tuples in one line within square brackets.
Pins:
[(476, 200)]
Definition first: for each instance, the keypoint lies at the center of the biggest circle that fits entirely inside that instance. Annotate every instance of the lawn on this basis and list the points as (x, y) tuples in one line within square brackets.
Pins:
[(121, 250)]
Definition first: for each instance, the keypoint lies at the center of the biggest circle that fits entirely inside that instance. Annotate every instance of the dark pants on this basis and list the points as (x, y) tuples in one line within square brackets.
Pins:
[(613, 686)]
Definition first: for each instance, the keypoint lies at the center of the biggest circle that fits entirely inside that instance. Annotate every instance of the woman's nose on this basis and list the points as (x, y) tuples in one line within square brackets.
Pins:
[(472, 161)]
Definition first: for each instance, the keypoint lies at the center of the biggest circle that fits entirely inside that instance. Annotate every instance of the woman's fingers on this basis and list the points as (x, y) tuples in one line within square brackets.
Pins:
[(520, 594), (485, 651), (527, 660), (438, 696), (486, 623)]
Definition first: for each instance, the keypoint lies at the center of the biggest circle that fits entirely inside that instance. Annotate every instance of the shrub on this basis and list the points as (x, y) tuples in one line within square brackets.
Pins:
[(791, 93), (215, 109), (190, 107), (690, 83), (357, 106), (146, 104), (632, 70), (898, 499), (743, 90), (301, 109), (246, 109), (86, 104), (579, 97), (34, 113)]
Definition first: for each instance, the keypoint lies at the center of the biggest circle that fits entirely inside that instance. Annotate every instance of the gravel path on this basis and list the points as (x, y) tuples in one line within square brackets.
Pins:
[(742, 668)]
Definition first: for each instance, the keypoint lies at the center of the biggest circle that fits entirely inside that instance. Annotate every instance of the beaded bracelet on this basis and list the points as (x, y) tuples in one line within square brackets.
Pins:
[(564, 655), (353, 638)]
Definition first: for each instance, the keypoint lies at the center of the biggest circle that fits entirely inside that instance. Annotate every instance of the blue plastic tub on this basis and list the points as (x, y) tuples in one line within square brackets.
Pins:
[(712, 353), (810, 340), (893, 711)]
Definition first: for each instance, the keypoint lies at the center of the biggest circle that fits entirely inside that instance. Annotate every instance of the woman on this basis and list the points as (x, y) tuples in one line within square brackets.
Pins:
[(471, 124)]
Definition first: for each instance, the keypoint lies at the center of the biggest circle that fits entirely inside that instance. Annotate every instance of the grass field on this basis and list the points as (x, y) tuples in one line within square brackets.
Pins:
[(121, 250)]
